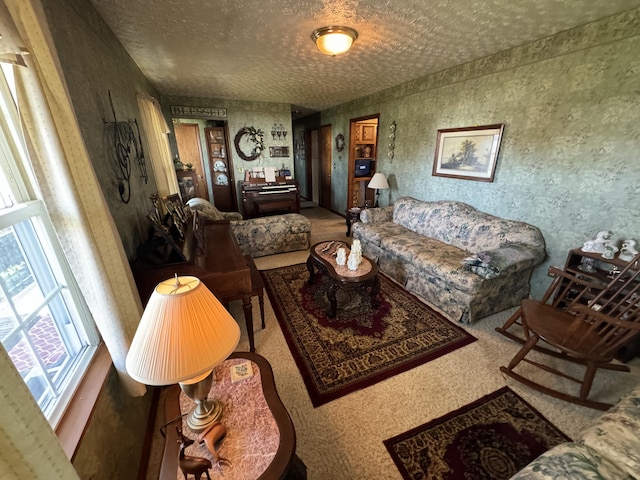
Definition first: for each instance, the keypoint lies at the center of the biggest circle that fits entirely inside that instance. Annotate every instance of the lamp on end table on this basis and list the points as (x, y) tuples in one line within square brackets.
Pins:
[(183, 334), (379, 182)]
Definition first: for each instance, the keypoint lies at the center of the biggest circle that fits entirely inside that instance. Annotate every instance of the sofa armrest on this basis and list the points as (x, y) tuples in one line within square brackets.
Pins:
[(508, 258), (231, 215), (371, 215)]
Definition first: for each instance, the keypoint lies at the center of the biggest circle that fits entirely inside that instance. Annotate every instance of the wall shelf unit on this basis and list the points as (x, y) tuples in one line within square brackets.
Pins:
[(363, 150)]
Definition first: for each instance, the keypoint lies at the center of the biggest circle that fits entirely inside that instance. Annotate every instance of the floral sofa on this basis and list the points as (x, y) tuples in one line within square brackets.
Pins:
[(466, 263), (262, 236), (608, 449)]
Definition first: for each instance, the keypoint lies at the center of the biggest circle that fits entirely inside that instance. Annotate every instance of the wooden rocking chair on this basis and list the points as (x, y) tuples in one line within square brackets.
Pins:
[(583, 322)]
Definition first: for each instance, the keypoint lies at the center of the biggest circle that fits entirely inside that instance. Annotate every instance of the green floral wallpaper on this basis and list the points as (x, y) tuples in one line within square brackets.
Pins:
[(568, 162)]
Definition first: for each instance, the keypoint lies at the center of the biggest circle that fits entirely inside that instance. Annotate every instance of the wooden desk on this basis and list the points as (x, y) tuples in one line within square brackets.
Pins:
[(255, 419), (219, 264)]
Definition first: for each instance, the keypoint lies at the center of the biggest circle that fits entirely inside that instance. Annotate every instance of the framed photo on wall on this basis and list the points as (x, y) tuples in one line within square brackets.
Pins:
[(469, 153)]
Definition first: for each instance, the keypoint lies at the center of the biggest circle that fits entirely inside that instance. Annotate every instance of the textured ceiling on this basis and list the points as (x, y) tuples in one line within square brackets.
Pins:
[(261, 50)]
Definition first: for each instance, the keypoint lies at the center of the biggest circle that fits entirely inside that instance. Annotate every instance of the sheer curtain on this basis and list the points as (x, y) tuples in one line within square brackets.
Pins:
[(66, 182), (156, 128)]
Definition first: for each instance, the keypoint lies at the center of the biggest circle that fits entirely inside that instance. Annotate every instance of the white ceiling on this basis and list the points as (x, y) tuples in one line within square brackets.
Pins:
[(261, 50)]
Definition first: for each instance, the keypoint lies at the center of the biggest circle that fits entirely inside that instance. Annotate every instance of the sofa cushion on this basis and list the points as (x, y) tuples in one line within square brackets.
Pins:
[(434, 259), (616, 434), (462, 225), (571, 461), (445, 221), (375, 232)]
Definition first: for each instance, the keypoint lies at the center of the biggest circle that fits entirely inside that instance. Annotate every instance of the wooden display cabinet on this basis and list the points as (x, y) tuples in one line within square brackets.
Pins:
[(221, 167), (363, 146)]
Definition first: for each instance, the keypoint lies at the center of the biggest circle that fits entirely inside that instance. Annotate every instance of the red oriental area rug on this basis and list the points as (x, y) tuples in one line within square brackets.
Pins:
[(360, 346), (491, 438)]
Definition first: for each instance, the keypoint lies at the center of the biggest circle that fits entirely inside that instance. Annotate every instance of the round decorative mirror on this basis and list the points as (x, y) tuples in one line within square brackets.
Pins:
[(249, 143), (340, 142)]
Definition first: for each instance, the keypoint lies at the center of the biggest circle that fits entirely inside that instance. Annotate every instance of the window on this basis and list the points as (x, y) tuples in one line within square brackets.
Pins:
[(45, 326)]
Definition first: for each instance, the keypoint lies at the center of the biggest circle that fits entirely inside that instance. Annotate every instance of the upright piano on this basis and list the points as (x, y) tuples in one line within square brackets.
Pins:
[(260, 198), (207, 250)]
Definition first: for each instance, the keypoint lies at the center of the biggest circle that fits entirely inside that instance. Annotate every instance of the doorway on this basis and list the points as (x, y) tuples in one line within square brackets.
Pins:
[(188, 142), (363, 153), (313, 165), (324, 162)]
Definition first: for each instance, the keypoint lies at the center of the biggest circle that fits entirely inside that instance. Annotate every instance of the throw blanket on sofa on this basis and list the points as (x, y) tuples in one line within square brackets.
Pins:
[(466, 263)]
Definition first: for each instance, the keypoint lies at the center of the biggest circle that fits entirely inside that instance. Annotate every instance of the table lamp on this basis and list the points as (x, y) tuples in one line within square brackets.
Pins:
[(184, 332), (379, 182)]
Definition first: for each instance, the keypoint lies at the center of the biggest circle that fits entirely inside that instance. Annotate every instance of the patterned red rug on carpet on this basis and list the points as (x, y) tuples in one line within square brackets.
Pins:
[(360, 346), (491, 438)]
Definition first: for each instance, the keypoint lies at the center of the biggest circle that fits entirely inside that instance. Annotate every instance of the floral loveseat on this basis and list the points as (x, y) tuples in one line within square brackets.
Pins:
[(466, 263), (261, 236), (608, 449)]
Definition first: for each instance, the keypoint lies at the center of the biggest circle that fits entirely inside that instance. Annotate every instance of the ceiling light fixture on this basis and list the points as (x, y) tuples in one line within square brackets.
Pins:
[(334, 40)]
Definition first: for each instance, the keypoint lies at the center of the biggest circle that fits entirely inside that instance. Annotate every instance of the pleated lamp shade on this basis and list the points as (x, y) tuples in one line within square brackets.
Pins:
[(184, 332), (378, 181)]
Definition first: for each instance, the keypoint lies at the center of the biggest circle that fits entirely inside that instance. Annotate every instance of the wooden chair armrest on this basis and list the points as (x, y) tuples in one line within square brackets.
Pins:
[(556, 272)]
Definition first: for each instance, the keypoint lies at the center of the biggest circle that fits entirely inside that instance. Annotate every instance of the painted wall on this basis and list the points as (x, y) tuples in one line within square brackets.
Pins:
[(94, 63), (568, 161), (261, 115)]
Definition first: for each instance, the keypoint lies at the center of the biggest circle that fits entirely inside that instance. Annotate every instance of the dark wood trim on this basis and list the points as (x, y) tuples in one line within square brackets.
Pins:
[(75, 419), (148, 438)]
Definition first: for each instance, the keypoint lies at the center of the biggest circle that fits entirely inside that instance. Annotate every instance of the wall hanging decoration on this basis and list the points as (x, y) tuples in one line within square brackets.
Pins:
[(280, 131), (392, 140), (278, 152), (251, 147), (469, 153), (127, 147), (339, 142)]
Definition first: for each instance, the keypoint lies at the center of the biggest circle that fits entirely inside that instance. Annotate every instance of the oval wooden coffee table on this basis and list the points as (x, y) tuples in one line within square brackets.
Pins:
[(322, 256)]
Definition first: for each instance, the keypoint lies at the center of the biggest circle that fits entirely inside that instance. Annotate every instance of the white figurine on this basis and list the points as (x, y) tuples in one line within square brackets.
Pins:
[(599, 244), (628, 250), (353, 262), (341, 256)]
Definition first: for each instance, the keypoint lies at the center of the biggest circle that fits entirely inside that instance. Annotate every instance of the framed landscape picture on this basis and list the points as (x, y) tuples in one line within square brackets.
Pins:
[(469, 153)]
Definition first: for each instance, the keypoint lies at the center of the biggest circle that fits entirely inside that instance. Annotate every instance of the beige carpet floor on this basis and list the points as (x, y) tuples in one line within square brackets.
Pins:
[(343, 438)]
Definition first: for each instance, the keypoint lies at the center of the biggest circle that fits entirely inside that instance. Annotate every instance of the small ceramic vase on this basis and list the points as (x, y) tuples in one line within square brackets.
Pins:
[(341, 256)]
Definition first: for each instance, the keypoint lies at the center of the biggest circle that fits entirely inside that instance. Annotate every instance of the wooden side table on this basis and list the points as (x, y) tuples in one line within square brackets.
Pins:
[(352, 216), (260, 441)]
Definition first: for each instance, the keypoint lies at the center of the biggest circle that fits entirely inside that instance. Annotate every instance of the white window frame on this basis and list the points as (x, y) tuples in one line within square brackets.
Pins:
[(25, 208)]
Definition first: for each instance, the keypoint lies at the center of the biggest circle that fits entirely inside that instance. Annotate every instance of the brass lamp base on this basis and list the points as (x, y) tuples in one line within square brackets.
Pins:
[(206, 411)]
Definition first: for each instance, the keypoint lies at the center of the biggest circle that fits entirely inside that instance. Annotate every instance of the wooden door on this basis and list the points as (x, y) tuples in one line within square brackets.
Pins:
[(325, 166), (188, 141), (223, 181)]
